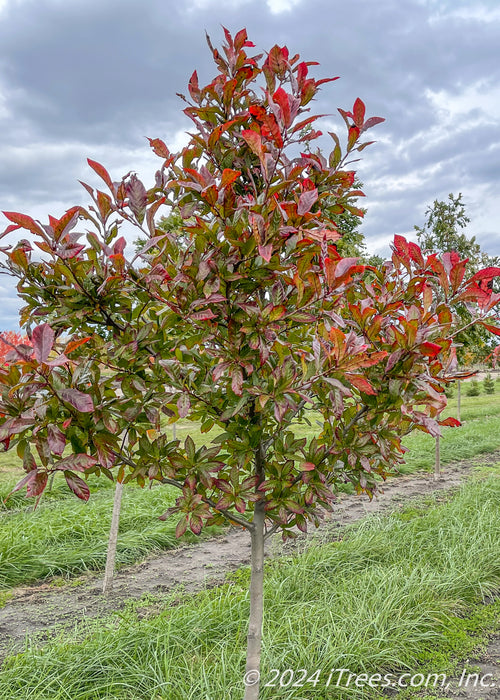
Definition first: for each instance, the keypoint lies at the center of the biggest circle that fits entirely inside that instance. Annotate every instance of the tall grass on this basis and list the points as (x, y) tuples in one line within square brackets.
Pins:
[(69, 536), (392, 596)]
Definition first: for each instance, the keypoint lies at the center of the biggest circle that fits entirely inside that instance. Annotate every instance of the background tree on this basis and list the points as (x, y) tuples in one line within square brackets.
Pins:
[(8, 339), (444, 231), (247, 324), (441, 233)]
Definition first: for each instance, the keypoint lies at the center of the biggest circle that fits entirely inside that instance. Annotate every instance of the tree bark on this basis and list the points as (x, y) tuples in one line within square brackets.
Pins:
[(113, 538), (254, 639)]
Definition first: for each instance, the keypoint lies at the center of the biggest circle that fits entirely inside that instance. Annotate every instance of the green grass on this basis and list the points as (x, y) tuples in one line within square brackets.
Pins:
[(478, 434), (68, 536), (400, 593)]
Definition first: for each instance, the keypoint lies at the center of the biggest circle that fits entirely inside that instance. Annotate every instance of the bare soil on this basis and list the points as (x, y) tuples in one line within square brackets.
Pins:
[(481, 679), (43, 609)]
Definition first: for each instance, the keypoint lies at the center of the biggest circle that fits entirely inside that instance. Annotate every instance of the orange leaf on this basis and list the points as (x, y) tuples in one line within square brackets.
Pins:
[(74, 344)]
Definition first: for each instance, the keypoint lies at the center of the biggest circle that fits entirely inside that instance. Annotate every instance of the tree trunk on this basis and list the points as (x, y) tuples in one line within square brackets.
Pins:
[(437, 466), (458, 399), (254, 639), (113, 537)]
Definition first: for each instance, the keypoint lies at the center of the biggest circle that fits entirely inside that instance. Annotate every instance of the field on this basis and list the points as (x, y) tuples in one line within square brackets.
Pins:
[(402, 591)]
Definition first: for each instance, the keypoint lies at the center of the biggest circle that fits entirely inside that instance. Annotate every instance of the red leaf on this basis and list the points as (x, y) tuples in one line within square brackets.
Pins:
[(457, 274), (195, 524), (452, 422), (207, 315), (237, 382), (15, 425), (9, 229), (323, 234), (362, 384), (102, 172), (373, 121), (67, 222), (240, 40), (266, 252), (352, 137), (193, 87), (359, 112), (487, 274), (137, 197), (119, 246), (490, 328), (24, 481), (183, 405), (79, 462), (415, 253), (74, 344), (300, 125), (430, 349), (159, 147), (181, 526), (77, 485), (306, 201), (56, 439), (58, 361), (43, 341), (307, 467), (401, 246), (82, 402), (344, 266), (23, 221), (229, 176), (473, 293), (37, 484), (282, 99), (254, 141)]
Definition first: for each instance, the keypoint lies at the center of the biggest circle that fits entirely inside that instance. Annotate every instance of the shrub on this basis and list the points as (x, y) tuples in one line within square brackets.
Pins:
[(473, 389), (489, 384)]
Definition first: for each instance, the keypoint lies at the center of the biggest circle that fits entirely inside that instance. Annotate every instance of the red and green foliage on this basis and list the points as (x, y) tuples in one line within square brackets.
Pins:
[(250, 322)]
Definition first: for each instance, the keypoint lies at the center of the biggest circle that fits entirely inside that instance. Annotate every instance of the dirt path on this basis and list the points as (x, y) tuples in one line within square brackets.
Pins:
[(43, 608), (483, 683)]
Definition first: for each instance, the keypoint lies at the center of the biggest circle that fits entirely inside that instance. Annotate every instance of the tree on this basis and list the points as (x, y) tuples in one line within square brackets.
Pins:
[(252, 323), (441, 233), (8, 339)]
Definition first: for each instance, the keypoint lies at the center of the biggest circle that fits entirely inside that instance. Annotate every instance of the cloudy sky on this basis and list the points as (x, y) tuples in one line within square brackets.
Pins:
[(93, 78)]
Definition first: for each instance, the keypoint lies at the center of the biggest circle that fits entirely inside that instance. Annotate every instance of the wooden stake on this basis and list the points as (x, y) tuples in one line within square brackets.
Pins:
[(113, 538), (437, 466)]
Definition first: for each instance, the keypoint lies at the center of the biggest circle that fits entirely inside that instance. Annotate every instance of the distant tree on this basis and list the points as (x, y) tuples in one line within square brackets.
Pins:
[(10, 339), (489, 384), (474, 388), (174, 224), (443, 232)]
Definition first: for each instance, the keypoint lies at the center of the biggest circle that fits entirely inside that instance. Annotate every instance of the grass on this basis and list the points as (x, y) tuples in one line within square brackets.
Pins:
[(399, 593), (65, 536), (478, 434)]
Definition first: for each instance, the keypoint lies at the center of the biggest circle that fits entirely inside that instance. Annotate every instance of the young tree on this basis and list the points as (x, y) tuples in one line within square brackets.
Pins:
[(249, 325)]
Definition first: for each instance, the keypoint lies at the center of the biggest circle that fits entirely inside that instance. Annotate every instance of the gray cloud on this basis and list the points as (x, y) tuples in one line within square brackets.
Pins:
[(92, 78)]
